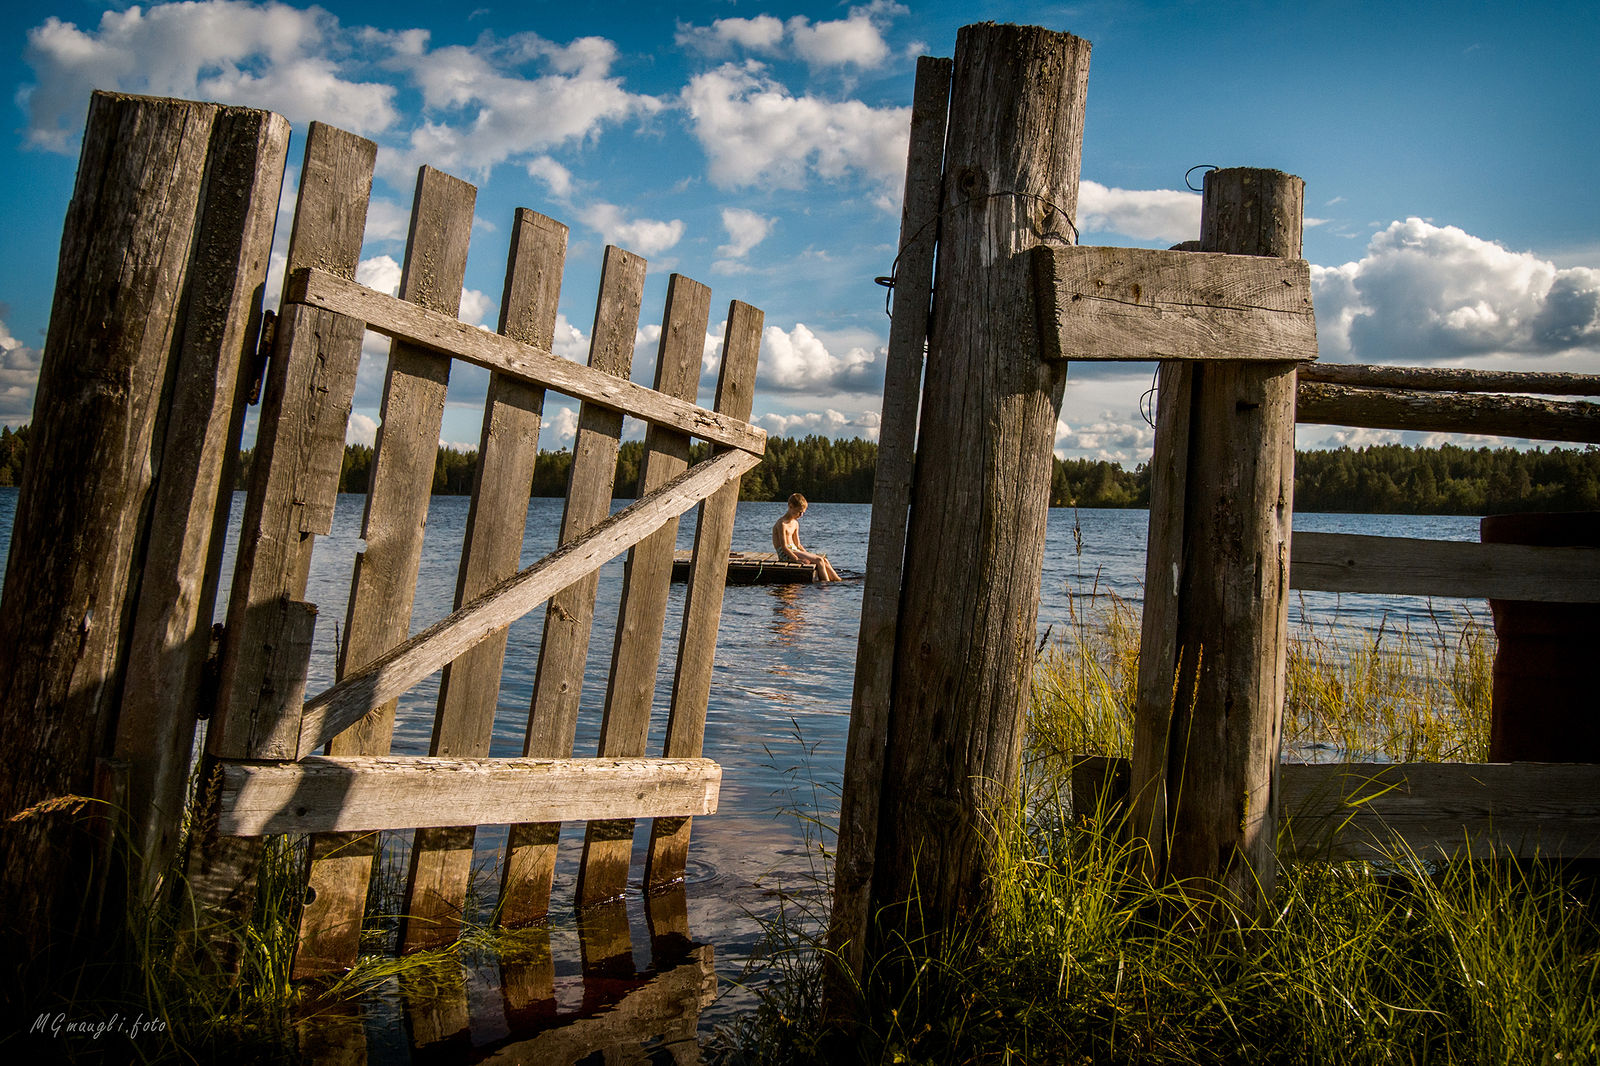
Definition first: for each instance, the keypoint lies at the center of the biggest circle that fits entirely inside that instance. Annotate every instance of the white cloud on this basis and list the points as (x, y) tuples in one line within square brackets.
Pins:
[(1169, 215), (746, 229), (756, 133), (19, 378), (853, 41), (1124, 441), (570, 341), (564, 421), (1425, 293), (484, 108), (361, 429), (381, 272), (264, 55), (827, 422), (645, 236), (798, 360), (557, 178), (475, 307), (387, 220)]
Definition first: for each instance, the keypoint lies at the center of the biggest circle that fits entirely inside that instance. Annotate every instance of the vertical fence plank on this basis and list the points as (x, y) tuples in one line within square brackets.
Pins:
[(305, 406), (1222, 739), (384, 583), (67, 608), (553, 715), (975, 544), (702, 606), (891, 500), (441, 859), (608, 846), (194, 491)]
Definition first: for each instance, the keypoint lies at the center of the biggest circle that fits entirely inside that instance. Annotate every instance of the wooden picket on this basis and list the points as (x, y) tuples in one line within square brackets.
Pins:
[(265, 774)]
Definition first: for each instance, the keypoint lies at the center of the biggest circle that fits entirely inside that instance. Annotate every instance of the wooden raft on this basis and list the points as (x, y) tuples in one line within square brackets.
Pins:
[(752, 568)]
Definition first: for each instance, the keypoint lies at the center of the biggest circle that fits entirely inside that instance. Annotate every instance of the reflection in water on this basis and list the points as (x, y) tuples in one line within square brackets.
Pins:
[(788, 613), (452, 1013)]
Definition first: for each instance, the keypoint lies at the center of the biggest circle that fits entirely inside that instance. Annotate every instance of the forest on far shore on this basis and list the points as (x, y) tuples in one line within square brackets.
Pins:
[(1379, 479)]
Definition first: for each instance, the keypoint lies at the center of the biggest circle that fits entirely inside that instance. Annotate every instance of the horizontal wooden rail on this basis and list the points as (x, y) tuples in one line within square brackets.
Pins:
[(1374, 810), (1451, 379), (1349, 562), (1358, 811), (1141, 304), (359, 793), (392, 673), (402, 320), (1448, 412)]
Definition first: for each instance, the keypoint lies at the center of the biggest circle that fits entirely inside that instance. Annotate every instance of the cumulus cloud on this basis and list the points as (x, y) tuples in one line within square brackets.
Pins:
[(564, 420), (19, 378), (487, 105), (1124, 441), (1428, 293), (853, 41), (570, 341), (827, 422), (798, 360), (755, 132), (264, 55), (746, 229), (475, 307), (361, 429), (645, 236), (556, 178), (1169, 215), (381, 272)]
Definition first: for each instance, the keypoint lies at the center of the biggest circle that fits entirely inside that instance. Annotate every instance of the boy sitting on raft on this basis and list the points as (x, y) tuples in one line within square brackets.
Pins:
[(786, 540)]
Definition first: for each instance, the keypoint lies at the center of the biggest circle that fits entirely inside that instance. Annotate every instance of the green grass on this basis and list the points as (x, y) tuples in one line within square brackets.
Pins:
[(1476, 960)]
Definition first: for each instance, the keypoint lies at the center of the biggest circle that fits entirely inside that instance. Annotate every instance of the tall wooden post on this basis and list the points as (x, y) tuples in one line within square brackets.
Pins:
[(1211, 681), (969, 603), (162, 256)]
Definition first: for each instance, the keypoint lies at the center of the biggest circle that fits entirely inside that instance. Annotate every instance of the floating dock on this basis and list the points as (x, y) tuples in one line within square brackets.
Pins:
[(752, 568)]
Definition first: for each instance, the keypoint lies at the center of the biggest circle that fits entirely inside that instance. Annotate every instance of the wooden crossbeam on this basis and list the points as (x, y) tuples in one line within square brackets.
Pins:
[(1451, 379), (1118, 304), (324, 794), (1575, 421), (1370, 810), (1348, 562), (444, 333), (392, 673)]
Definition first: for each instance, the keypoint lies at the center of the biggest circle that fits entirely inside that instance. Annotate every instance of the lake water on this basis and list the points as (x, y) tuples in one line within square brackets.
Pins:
[(780, 702)]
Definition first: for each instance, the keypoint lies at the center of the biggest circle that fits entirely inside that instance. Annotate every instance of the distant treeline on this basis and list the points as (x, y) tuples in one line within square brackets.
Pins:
[(1384, 479)]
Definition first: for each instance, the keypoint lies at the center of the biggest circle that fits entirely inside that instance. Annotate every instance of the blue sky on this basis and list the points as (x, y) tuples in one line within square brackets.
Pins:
[(1450, 153)]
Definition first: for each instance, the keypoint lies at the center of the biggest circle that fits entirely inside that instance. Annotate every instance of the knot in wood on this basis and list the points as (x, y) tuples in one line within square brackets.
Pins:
[(971, 182)]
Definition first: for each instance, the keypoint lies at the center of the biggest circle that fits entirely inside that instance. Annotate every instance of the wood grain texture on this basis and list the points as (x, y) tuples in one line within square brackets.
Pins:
[(886, 539), (444, 333), (383, 586), (83, 509), (646, 581), (1345, 562), (990, 402), (305, 407), (323, 794), (196, 446), (529, 868), (1377, 811), (1139, 303), (1223, 736), (1548, 810), (1160, 664), (441, 859), (702, 605), (1451, 379), (1446, 412), (395, 671)]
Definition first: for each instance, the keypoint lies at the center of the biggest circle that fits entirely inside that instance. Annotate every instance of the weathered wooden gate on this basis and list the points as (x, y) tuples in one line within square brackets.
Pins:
[(264, 774)]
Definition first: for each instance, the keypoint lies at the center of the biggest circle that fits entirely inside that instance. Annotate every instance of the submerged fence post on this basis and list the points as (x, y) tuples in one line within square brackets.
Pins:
[(974, 553), (1215, 627)]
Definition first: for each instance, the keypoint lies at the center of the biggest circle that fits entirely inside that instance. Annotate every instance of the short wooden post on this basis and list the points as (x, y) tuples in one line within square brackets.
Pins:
[(1211, 683), (135, 239), (969, 604)]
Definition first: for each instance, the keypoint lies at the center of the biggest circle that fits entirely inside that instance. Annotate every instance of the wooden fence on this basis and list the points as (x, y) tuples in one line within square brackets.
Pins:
[(264, 770)]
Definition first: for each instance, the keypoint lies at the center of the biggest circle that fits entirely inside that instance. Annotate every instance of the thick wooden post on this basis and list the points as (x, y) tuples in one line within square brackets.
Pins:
[(969, 604), (148, 216), (1211, 685)]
